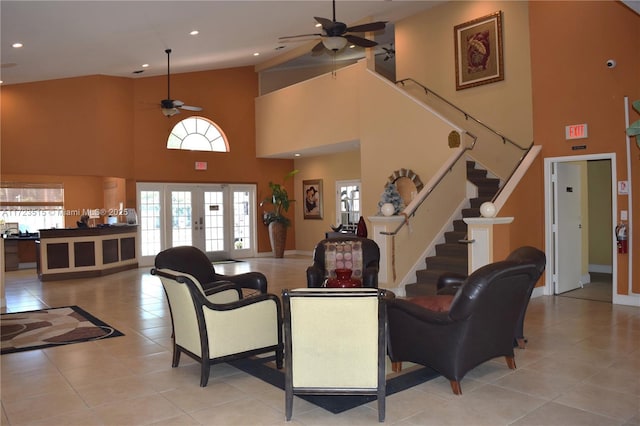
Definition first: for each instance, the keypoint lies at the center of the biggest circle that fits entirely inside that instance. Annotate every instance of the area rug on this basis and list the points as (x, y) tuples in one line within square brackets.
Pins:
[(264, 369), (45, 328)]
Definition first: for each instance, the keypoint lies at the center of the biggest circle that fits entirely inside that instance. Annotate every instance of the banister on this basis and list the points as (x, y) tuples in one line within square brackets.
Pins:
[(437, 182), (467, 116)]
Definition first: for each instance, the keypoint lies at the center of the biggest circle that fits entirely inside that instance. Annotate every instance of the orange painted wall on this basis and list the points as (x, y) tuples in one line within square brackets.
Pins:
[(73, 126), (570, 44), (112, 127)]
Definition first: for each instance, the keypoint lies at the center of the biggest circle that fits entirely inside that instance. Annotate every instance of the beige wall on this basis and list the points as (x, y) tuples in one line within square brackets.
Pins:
[(425, 52), (600, 245), (329, 168)]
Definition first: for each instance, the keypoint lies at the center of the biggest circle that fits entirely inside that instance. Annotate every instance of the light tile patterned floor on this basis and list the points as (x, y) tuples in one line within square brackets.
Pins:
[(582, 367)]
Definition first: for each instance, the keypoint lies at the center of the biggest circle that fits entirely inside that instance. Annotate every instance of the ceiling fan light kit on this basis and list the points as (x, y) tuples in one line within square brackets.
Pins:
[(334, 43)]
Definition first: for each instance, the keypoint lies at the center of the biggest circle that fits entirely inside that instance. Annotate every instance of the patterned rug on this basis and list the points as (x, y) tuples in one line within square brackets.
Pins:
[(45, 328), (264, 368)]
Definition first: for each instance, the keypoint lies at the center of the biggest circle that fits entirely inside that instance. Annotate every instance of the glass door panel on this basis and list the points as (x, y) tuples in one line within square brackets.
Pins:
[(243, 201), (214, 228), (181, 218)]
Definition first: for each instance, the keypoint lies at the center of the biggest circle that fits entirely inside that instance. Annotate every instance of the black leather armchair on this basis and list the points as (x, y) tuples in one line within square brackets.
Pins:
[(477, 326), (191, 260), (449, 283), (317, 273)]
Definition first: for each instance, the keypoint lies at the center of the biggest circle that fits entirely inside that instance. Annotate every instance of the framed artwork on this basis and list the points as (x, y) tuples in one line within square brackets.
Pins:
[(478, 45), (312, 191)]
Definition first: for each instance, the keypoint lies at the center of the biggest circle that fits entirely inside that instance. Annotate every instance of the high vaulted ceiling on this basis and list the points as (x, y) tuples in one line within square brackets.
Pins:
[(75, 38)]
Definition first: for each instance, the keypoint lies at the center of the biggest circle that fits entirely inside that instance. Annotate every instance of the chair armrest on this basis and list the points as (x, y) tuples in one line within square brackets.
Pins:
[(370, 277), (222, 286), (450, 279), (315, 276), (253, 280)]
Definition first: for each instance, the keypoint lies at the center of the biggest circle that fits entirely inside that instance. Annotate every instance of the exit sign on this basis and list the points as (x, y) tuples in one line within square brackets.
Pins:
[(201, 165), (576, 131)]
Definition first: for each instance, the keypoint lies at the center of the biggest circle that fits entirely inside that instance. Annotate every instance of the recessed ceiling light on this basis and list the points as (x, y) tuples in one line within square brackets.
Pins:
[(145, 65), (296, 155), (256, 54), (17, 45), (194, 32)]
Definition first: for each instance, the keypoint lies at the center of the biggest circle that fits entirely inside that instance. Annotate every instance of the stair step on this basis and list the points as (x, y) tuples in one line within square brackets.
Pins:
[(471, 212), (487, 192), (484, 181), (459, 226), (454, 236), (447, 263), (452, 249), (476, 174)]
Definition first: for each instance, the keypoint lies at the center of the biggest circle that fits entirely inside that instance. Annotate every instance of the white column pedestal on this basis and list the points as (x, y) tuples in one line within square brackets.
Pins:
[(480, 231), (385, 242)]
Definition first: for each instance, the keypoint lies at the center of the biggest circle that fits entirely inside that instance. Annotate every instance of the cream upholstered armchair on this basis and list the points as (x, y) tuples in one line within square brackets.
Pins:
[(335, 343), (221, 325)]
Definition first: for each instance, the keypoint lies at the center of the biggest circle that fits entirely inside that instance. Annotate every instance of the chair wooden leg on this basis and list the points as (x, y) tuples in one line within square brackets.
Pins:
[(511, 362), (176, 356), (396, 367), (522, 342), (204, 376), (455, 387)]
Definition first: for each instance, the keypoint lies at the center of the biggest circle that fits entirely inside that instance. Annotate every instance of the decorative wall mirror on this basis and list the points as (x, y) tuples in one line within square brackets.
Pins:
[(408, 184)]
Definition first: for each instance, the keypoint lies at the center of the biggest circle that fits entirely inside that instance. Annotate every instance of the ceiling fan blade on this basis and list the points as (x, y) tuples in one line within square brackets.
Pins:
[(372, 26), (326, 23), (190, 108), (299, 35), (359, 41), (318, 49)]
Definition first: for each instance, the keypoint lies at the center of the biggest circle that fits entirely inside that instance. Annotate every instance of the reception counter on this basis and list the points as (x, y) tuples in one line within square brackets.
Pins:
[(86, 252)]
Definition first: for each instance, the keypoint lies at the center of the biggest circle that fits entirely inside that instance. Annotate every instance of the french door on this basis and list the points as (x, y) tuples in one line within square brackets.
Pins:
[(217, 218)]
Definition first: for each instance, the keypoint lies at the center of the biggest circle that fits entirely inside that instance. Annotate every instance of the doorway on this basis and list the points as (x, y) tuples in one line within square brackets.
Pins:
[(219, 219), (580, 207)]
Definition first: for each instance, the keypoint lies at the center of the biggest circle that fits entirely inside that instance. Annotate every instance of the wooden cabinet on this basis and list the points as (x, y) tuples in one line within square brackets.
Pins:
[(11, 260)]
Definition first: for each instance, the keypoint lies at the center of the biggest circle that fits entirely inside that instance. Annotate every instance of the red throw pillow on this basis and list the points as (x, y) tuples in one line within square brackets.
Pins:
[(437, 303)]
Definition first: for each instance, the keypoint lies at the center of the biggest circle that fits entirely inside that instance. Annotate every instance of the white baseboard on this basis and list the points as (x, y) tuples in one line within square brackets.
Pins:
[(537, 292), (603, 269)]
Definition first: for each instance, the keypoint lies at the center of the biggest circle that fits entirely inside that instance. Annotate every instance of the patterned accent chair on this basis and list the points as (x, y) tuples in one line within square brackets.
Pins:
[(365, 260)]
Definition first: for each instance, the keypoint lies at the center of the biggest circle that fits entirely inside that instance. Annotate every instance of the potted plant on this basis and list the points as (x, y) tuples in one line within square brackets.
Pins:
[(275, 219), (634, 129)]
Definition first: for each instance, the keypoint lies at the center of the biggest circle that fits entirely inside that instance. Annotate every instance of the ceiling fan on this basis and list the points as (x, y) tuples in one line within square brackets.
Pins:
[(336, 34), (171, 107)]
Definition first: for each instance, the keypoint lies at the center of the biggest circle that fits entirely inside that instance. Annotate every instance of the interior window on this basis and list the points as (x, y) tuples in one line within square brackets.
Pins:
[(197, 134), (348, 204)]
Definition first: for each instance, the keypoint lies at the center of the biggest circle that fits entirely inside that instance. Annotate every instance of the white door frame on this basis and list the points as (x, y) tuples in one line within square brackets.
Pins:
[(549, 164)]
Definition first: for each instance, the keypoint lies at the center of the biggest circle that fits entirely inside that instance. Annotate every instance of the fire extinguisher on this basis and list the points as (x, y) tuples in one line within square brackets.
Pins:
[(622, 237)]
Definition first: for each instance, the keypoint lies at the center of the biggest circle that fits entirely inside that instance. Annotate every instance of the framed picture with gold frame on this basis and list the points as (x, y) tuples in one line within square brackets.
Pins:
[(312, 194), (478, 51)]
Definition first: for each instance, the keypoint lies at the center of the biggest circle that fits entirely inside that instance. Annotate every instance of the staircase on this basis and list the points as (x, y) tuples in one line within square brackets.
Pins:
[(451, 256)]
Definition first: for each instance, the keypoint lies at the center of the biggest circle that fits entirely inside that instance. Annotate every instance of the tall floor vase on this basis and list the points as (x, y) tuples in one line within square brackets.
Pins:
[(278, 238)]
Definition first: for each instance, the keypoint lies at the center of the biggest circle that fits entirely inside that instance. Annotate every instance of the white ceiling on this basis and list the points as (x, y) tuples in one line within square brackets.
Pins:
[(74, 38)]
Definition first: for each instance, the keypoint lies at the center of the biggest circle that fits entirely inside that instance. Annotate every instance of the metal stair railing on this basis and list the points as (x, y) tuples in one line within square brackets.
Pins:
[(428, 191)]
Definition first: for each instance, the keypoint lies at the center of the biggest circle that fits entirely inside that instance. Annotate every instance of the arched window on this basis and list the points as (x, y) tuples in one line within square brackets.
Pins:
[(197, 134)]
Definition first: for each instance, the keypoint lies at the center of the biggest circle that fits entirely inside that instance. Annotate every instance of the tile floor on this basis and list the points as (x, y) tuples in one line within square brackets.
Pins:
[(582, 367)]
